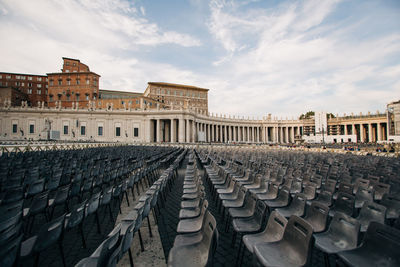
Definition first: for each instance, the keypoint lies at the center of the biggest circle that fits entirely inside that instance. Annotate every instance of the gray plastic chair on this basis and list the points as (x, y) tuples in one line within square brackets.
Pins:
[(342, 235), (192, 225), (127, 232), (196, 249), (344, 203), (271, 193), (49, 234), (392, 204), (317, 216), (272, 232), (362, 196), (296, 207), (380, 190), (293, 249), (282, 200), (75, 218), (380, 247), (324, 197), (9, 252), (371, 212)]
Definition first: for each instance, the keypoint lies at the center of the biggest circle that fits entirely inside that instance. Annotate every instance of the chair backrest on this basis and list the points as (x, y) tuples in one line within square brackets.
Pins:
[(210, 234), (108, 246), (298, 235), (127, 236), (345, 203), (9, 252), (93, 204), (107, 195), (383, 240), (345, 227), (275, 227), (299, 201), (283, 193), (360, 183), (372, 211), (77, 215), (380, 190), (39, 202), (346, 187), (260, 211), (317, 215), (49, 234)]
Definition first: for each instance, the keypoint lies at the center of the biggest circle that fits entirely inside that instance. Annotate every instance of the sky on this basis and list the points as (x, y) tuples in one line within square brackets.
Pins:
[(257, 57)]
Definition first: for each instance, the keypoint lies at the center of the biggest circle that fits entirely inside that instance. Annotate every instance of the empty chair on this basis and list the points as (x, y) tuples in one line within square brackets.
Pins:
[(344, 203), (192, 213), (271, 193), (362, 195), (292, 250), (342, 234), (296, 187), (272, 232), (360, 183), (296, 207), (195, 249), (309, 192), (192, 225), (59, 199), (380, 190), (317, 216), (249, 225), (380, 247), (9, 252), (75, 219), (35, 188), (127, 232), (345, 188), (92, 208), (100, 257), (282, 199), (38, 206), (371, 212), (49, 234), (325, 198), (392, 204)]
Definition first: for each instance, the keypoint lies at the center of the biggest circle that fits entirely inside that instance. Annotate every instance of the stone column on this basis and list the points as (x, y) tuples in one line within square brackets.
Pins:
[(292, 134), (234, 134), (248, 134), (187, 136), (173, 138), (280, 135), (379, 131), (287, 134), (362, 133), (267, 134), (194, 132), (370, 132), (225, 137), (345, 129), (158, 131), (181, 130)]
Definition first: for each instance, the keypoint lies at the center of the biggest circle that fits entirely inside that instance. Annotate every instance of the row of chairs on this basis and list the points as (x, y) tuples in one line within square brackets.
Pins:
[(197, 234), (13, 229), (247, 211), (119, 241)]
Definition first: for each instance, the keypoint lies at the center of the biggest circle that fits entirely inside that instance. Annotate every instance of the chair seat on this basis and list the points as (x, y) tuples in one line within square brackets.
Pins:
[(276, 254), (246, 225), (87, 262), (189, 213), (190, 225), (331, 243), (372, 259), (27, 246), (190, 204), (240, 213)]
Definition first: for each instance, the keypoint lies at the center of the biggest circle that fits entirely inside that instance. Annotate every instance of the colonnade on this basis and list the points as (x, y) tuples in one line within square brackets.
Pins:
[(367, 132), (190, 130)]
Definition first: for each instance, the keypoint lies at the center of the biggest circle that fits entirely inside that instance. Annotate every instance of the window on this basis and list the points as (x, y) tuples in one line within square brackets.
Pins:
[(51, 83), (39, 91), (59, 82), (117, 131), (87, 81), (77, 97), (65, 129), (31, 128), (47, 92), (51, 98), (14, 128), (30, 84), (68, 97), (39, 86), (87, 97), (29, 78), (83, 130), (39, 79), (23, 77), (1, 76), (66, 70), (17, 77), (78, 81), (22, 84), (29, 90), (95, 82), (8, 77), (68, 82), (100, 130), (136, 132)]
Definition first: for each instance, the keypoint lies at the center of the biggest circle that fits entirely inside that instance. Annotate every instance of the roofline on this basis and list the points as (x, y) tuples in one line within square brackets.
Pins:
[(27, 74), (116, 91), (81, 72), (71, 59), (177, 85)]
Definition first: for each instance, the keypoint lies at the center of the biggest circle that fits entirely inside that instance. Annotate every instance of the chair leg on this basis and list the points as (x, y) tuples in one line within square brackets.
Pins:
[(111, 215), (141, 241), (127, 198), (130, 257), (36, 260), (82, 235), (133, 192), (148, 222), (62, 253), (98, 223)]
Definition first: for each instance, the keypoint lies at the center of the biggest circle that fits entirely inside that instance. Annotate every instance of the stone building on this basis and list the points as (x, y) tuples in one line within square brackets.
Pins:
[(178, 95), (27, 87), (74, 84)]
